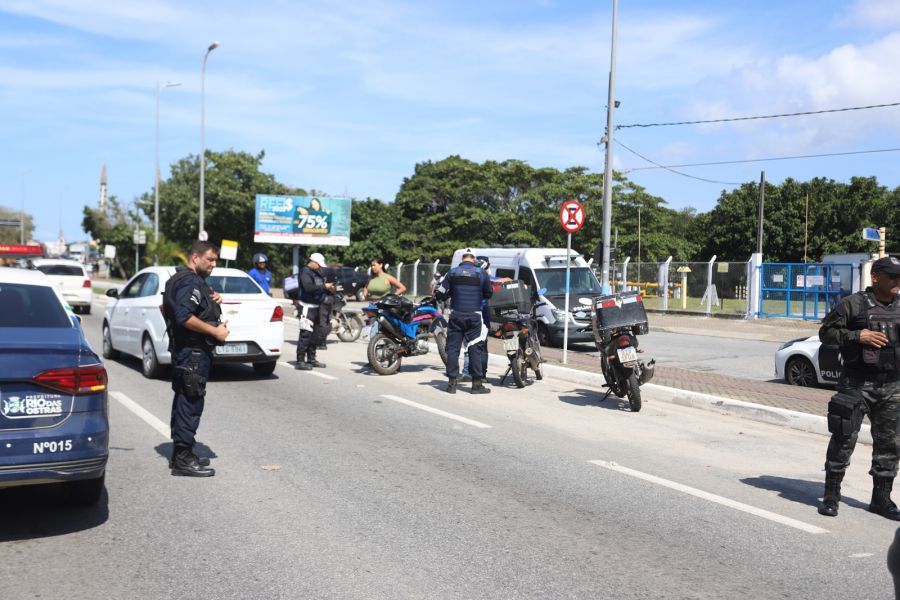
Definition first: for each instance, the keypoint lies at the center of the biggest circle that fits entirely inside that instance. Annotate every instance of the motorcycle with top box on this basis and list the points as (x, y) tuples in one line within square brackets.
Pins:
[(617, 320)]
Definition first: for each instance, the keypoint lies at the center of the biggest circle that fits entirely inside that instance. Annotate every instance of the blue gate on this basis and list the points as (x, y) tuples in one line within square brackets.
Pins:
[(802, 290)]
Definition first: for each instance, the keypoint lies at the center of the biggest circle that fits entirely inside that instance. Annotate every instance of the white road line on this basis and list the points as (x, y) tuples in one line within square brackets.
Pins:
[(759, 512), (314, 373), (143, 413), (437, 411)]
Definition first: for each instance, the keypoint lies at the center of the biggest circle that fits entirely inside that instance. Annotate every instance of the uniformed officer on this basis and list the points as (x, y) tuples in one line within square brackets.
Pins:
[(313, 290), (192, 314), (260, 273), (466, 285), (865, 326)]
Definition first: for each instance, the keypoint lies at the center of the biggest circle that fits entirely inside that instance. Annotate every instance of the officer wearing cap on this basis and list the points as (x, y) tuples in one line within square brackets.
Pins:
[(866, 327), (467, 286), (313, 290), (259, 273)]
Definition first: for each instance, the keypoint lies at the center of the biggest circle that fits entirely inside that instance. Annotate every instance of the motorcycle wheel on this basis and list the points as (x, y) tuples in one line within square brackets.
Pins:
[(634, 393), (350, 329), (519, 367), (440, 338), (536, 359), (382, 354)]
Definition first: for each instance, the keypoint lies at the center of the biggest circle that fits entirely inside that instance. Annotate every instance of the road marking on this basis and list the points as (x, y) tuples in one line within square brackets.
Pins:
[(759, 512), (143, 413), (437, 411), (314, 373)]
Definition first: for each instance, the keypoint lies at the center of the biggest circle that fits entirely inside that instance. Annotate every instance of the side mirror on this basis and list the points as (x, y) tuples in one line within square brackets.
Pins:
[(542, 291), (112, 293)]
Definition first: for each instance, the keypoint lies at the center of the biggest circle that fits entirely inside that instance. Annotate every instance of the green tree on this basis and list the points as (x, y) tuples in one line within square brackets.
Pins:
[(13, 235), (114, 226)]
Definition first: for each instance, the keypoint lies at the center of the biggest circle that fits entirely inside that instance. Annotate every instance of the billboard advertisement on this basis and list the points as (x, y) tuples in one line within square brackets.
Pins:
[(302, 220)]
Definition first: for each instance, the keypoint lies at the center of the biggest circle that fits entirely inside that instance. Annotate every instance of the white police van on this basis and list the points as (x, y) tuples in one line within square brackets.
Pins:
[(545, 269)]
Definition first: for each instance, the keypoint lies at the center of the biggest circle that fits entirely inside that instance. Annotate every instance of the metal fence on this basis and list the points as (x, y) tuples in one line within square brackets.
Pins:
[(803, 290)]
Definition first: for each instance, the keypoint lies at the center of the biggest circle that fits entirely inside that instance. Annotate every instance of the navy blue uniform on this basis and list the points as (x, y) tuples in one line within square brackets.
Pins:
[(191, 355), (467, 286), (312, 291)]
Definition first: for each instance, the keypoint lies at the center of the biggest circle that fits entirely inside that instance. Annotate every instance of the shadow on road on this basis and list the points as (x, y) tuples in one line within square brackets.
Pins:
[(585, 397), (801, 491), (39, 511), (200, 449), (364, 368)]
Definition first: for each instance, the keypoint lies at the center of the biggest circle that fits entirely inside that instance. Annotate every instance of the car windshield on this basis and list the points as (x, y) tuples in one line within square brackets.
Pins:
[(232, 285), (31, 306), (581, 281), (61, 270)]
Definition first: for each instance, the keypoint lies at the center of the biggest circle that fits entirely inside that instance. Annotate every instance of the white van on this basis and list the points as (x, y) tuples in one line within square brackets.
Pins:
[(546, 268)]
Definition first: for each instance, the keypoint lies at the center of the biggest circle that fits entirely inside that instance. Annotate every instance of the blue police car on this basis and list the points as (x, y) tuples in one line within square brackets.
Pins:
[(54, 420)]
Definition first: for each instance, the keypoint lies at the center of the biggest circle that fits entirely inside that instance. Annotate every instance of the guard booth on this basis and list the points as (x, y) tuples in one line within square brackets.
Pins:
[(803, 290)]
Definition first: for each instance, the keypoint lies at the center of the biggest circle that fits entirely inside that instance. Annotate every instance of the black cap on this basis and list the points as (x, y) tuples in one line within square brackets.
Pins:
[(888, 264)]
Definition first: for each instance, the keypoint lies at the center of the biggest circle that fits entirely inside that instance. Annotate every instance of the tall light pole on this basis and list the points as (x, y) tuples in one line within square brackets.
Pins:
[(213, 46), (159, 88), (607, 174)]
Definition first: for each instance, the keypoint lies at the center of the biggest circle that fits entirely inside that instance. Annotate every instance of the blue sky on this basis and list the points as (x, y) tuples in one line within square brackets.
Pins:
[(347, 97)]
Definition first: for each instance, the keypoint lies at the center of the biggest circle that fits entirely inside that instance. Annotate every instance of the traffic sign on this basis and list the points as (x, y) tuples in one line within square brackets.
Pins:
[(228, 250), (571, 216), (140, 237), (871, 234)]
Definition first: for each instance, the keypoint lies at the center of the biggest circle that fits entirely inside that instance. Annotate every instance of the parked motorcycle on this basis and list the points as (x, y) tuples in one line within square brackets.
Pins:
[(520, 341), (345, 324), (402, 328), (617, 321)]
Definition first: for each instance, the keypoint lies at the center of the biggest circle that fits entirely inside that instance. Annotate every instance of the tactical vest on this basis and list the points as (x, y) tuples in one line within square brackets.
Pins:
[(466, 282), (874, 317), (211, 312)]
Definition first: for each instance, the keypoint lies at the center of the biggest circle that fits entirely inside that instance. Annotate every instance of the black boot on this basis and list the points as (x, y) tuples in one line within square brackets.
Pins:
[(451, 385), (881, 498), (829, 506), (186, 464), (303, 366), (203, 461), (478, 386)]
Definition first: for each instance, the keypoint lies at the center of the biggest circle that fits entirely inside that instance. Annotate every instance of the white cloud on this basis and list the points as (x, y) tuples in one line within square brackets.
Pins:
[(876, 14)]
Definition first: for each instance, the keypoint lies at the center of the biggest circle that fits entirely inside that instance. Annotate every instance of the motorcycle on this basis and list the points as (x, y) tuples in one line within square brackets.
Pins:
[(345, 324), (402, 328), (520, 341), (617, 321)]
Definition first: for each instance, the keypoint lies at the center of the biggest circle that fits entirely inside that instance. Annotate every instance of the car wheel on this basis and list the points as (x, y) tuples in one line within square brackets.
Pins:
[(800, 371), (149, 363), (544, 338), (264, 368), (84, 492), (108, 350), (361, 295), (86, 310)]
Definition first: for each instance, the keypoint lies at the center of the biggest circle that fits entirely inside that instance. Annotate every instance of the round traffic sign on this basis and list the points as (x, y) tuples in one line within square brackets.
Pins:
[(203, 236), (571, 216)]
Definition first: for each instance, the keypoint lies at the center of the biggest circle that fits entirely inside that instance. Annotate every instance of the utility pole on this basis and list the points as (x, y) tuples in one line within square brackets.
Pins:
[(607, 172), (762, 211), (806, 228)]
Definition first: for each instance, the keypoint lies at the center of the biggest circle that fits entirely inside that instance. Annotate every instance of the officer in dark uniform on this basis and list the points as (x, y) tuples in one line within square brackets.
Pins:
[(193, 315), (466, 286), (313, 290), (866, 326)]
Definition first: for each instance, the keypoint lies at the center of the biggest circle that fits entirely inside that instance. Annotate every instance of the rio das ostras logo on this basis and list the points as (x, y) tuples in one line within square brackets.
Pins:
[(15, 407)]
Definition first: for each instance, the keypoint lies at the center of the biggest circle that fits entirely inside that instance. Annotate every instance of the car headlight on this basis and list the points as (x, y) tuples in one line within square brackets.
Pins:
[(559, 315)]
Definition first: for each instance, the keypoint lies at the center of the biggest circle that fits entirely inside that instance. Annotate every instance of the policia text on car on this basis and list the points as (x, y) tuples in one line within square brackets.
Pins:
[(192, 313), (866, 326)]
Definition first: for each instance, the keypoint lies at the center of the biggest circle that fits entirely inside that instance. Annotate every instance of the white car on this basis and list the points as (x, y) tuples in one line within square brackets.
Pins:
[(71, 280), (807, 362), (133, 323)]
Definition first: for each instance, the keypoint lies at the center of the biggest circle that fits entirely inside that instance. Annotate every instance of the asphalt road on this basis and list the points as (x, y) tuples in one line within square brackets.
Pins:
[(344, 484)]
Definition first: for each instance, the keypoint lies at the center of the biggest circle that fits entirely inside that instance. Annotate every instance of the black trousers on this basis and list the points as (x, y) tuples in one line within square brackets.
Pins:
[(306, 345), (187, 409), (464, 327)]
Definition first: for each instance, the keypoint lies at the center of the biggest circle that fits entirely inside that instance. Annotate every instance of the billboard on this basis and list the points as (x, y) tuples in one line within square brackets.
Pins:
[(302, 220)]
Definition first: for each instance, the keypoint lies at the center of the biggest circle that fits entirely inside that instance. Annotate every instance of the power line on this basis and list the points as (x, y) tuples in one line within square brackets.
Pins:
[(659, 166), (752, 160), (797, 114)]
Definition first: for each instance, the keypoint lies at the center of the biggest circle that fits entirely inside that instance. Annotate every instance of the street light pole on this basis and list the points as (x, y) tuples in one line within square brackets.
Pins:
[(607, 174), (156, 176), (213, 46)]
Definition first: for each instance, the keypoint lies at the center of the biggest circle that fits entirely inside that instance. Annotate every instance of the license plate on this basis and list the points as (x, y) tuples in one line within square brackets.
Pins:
[(627, 355), (511, 344), (232, 349)]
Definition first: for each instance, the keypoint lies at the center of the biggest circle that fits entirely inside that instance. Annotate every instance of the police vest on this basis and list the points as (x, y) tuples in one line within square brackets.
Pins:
[(210, 312), (874, 317), (466, 283)]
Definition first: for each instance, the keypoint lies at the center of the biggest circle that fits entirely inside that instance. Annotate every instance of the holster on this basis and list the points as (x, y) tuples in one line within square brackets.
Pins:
[(845, 414), (193, 384)]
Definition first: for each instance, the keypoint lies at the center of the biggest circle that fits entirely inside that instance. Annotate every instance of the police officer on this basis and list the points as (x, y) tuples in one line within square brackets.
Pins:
[(192, 314), (466, 285), (313, 290), (259, 273), (865, 326)]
